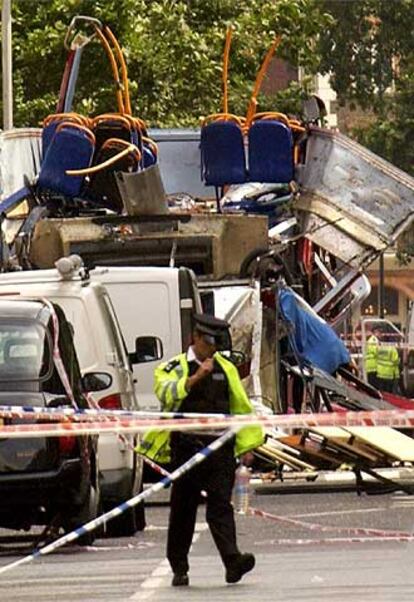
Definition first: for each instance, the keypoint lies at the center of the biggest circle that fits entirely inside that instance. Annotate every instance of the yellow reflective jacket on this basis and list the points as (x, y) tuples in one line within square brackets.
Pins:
[(169, 386), (388, 363), (370, 358)]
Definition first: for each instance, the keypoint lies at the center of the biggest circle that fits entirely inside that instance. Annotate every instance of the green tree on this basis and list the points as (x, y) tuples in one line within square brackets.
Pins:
[(392, 134), (368, 48), (174, 54)]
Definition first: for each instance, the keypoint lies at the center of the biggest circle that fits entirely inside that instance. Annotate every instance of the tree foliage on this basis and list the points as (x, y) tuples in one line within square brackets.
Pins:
[(368, 47), (365, 47), (174, 54), (392, 134)]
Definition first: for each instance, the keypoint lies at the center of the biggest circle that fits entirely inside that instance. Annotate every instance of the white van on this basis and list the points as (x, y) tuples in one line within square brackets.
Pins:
[(100, 348), (154, 306)]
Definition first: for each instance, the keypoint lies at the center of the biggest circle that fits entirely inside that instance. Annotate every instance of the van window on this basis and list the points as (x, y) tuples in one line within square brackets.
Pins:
[(115, 331), (75, 314)]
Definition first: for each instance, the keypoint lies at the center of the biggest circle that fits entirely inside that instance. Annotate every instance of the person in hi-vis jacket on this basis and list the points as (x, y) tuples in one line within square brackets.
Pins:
[(202, 380)]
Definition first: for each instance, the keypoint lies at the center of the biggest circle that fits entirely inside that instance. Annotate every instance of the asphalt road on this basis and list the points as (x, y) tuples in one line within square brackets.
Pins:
[(294, 563)]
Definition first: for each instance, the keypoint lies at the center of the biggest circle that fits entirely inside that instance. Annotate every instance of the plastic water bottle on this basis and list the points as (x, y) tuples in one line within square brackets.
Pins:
[(241, 490)]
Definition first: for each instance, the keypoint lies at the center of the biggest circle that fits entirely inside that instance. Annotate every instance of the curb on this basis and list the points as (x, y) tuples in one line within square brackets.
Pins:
[(330, 481)]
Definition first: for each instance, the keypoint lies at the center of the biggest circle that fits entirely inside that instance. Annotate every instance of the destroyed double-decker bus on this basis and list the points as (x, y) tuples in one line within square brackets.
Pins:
[(288, 217)]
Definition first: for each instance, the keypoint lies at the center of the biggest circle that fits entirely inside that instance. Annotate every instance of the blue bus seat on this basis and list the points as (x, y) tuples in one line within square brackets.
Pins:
[(270, 151), (53, 121), (222, 153), (150, 152), (71, 147)]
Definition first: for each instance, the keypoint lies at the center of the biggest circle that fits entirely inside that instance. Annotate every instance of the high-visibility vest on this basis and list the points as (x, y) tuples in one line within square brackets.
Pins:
[(169, 385), (370, 357), (388, 363)]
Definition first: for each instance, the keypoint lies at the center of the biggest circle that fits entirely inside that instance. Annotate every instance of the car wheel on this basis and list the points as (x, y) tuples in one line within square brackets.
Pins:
[(133, 519), (88, 511)]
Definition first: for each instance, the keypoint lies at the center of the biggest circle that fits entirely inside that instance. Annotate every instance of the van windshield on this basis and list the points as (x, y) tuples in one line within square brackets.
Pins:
[(24, 350)]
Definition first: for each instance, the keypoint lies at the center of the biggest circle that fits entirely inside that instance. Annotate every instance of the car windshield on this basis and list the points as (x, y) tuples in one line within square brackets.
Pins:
[(24, 350)]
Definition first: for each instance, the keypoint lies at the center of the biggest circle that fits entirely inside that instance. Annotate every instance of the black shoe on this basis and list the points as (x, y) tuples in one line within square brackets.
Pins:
[(180, 579), (241, 564)]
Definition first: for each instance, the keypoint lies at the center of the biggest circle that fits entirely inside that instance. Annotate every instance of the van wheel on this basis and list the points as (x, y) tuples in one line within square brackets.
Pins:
[(128, 523), (122, 526), (140, 516)]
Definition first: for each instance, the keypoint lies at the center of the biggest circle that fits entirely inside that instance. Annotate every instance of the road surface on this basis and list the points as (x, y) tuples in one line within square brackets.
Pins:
[(295, 563)]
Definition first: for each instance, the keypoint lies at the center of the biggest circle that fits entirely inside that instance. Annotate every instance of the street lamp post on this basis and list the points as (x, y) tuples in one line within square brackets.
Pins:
[(7, 81), (381, 288)]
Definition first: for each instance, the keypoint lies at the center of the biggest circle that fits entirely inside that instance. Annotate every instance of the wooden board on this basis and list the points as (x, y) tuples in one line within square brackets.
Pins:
[(313, 452), (285, 458), (387, 440), (348, 442)]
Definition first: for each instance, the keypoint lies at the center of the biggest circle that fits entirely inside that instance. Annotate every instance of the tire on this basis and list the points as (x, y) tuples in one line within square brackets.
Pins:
[(263, 263), (88, 511), (124, 525), (140, 515), (133, 519), (249, 263)]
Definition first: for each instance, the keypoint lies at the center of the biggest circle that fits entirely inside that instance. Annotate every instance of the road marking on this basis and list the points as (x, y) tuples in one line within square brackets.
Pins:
[(403, 498), (159, 575), (139, 546)]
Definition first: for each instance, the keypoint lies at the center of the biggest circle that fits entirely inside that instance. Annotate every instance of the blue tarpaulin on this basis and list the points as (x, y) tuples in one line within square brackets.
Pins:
[(315, 341)]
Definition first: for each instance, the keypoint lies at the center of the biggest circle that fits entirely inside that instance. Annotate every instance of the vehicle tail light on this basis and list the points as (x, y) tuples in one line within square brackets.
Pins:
[(67, 445), (111, 402)]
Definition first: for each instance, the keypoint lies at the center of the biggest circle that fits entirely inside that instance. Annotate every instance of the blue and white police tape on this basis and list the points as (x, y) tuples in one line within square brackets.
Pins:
[(97, 522), (87, 414), (391, 418)]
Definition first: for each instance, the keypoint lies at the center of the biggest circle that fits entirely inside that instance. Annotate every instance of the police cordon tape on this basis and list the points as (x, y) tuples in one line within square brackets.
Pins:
[(94, 524), (333, 540), (325, 528), (176, 474), (89, 414), (391, 418)]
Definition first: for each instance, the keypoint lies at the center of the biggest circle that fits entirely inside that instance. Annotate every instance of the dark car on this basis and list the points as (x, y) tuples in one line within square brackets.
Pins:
[(54, 478)]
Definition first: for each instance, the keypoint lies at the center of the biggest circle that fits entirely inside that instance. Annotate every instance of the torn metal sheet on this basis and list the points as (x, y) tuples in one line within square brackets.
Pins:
[(351, 394), (357, 286), (20, 155), (239, 303), (241, 307), (352, 203)]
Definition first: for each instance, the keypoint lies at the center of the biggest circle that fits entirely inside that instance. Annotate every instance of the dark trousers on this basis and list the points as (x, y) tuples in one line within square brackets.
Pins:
[(388, 385), (215, 476), (373, 379)]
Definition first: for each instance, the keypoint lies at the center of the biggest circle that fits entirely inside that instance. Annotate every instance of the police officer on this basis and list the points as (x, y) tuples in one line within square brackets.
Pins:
[(370, 357), (203, 381), (388, 368)]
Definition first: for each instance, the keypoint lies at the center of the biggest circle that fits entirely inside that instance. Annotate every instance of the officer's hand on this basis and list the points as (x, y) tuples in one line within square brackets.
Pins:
[(247, 459), (206, 367)]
